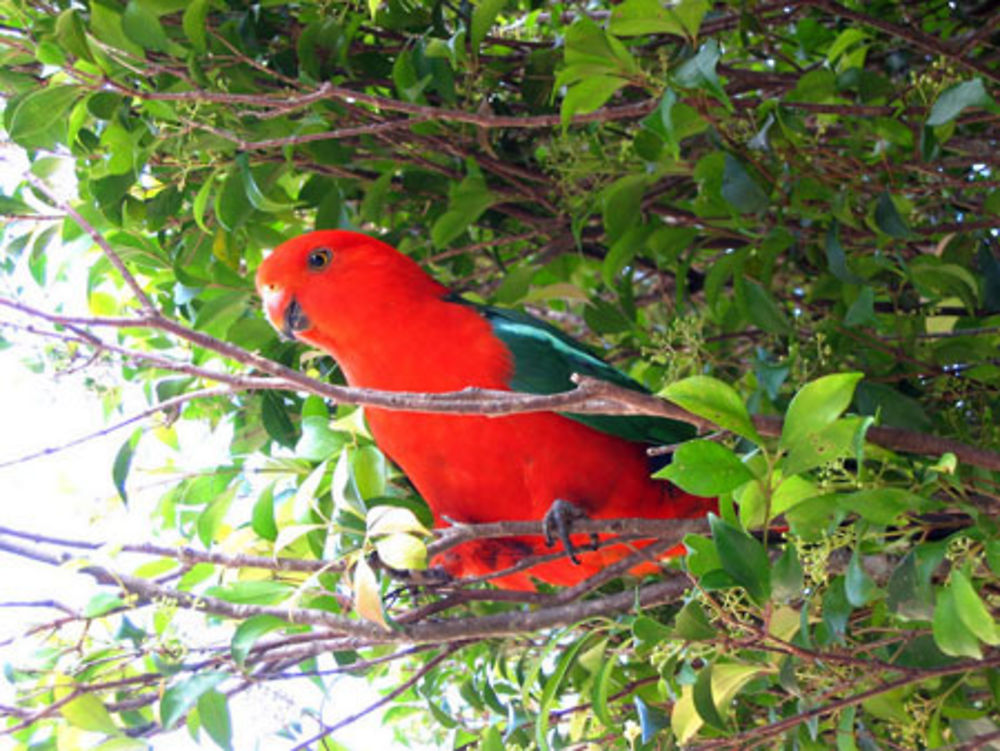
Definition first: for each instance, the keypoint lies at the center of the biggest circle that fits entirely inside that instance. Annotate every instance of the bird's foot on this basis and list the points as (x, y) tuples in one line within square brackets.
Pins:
[(558, 521)]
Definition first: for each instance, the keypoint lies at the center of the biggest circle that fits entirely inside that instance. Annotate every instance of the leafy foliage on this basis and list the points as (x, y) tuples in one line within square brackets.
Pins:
[(780, 216)]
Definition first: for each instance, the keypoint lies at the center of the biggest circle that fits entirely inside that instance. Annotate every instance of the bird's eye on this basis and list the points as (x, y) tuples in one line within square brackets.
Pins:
[(319, 259)]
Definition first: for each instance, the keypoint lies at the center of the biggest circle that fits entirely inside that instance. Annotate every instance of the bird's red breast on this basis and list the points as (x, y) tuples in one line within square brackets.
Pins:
[(391, 326)]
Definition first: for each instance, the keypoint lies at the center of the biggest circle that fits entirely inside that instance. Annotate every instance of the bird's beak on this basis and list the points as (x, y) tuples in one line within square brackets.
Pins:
[(294, 319), (283, 310)]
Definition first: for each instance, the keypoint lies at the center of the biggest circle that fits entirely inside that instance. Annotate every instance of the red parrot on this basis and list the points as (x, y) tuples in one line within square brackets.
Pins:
[(390, 326)]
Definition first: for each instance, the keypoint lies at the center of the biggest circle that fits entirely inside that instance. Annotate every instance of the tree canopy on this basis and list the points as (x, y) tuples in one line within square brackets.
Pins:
[(782, 218)]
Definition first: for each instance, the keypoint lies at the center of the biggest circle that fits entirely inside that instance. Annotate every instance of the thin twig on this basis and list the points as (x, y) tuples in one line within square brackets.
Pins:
[(97, 237), (164, 406), (398, 691)]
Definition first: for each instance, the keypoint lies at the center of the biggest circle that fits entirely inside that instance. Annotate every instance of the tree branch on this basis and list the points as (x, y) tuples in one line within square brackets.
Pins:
[(552, 612), (398, 691), (163, 406), (97, 237), (591, 396)]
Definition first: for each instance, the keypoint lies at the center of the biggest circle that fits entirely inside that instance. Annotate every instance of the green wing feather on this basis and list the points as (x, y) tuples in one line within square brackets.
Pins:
[(544, 360)]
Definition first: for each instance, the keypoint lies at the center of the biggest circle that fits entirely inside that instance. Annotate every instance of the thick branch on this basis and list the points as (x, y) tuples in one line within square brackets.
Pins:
[(550, 614), (592, 396)]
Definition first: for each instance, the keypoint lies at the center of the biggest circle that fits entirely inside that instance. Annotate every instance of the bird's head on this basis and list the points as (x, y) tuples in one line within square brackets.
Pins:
[(327, 283)]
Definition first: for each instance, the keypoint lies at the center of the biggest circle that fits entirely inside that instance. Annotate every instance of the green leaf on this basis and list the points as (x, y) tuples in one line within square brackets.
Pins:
[(887, 217), (484, 14), (193, 23), (181, 697), (587, 95), (972, 610), (307, 491), (213, 711), (276, 421), (106, 25), (253, 592), (599, 693), (373, 203), (704, 703), (862, 310), (391, 520), (993, 555), (210, 520), (122, 463), (402, 551), (491, 739), (72, 36), (726, 681), (761, 308), (836, 259), (550, 693), (951, 634), (698, 72), (101, 604), (859, 587), (836, 441), (200, 203), (740, 189), (691, 623), (817, 405), (882, 505), (789, 491), (254, 194), (955, 99), (743, 558), (144, 28), (87, 712), (367, 596), (836, 609), (642, 17), (892, 407), (847, 38), (318, 441), (262, 518), (249, 631), (369, 472), (218, 314), (705, 468), (621, 201), (34, 117), (121, 743), (909, 593), (232, 207), (467, 202), (714, 400), (787, 576), (649, 632)]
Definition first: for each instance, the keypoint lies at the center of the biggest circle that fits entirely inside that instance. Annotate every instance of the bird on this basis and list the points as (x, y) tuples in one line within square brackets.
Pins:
[(390, 325)]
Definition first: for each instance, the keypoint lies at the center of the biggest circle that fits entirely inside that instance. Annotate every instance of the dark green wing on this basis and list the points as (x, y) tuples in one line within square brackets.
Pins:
[(544, 360)]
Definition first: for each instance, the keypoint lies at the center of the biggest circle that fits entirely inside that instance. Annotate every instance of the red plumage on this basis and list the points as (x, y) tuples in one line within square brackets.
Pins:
[(390, 326)]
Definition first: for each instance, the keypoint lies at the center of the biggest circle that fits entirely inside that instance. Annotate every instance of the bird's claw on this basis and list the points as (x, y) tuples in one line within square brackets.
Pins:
[(558, 521)]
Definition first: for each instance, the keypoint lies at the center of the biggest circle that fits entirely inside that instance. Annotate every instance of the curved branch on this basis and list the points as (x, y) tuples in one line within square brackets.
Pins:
[(109, 252), (550, 613), (591, 396)]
